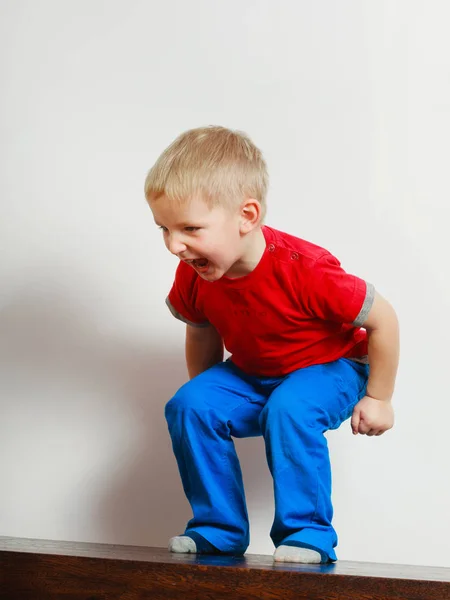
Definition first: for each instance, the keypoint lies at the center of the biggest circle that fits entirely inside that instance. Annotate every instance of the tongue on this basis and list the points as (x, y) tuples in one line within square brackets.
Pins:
[(200, 262)]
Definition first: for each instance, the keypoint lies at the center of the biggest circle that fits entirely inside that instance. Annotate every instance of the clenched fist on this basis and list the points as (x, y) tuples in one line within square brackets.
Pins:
[(372, 416)]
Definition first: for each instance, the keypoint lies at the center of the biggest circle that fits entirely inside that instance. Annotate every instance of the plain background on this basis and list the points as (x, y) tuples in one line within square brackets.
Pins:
[(349, 100)]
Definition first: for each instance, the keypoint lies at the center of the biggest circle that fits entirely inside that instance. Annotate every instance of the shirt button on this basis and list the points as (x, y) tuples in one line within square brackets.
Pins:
[(294, 256), (271, 247)]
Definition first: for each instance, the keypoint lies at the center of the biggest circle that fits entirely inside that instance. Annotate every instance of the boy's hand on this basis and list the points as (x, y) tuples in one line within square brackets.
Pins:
[(372, 416)]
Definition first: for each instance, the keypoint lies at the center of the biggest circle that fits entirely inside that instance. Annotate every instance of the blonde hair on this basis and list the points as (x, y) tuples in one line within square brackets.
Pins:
[(222, 165)]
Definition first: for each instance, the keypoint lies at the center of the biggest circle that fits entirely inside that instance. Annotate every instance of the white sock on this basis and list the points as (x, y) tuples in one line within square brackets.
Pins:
[(296, 555), (182, 544)]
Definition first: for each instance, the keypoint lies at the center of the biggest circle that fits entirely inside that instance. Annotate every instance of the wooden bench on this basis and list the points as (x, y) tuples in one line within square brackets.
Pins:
[(41, 570)]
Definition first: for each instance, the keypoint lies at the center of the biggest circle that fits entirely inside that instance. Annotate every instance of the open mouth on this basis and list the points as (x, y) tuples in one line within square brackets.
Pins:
[(201, 264)]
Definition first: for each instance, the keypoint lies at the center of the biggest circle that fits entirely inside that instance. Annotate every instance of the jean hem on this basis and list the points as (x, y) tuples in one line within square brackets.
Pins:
[(218, 542)]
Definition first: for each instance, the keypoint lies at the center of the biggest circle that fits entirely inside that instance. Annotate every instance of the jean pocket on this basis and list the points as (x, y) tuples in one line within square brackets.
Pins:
[(353, 383), (345, 414)]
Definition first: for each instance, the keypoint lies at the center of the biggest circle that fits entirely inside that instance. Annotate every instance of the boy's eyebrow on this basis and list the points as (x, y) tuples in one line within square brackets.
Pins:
[(182, 224)]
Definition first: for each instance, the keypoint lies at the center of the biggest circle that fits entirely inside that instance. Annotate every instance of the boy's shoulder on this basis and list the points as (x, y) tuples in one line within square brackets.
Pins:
[(293, 246)]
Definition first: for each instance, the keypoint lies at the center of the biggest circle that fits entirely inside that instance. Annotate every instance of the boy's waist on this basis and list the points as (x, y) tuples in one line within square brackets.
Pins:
[(279, 362)]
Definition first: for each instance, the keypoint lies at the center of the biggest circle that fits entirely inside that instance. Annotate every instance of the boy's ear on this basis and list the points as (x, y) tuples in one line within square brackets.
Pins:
[(250, 214)]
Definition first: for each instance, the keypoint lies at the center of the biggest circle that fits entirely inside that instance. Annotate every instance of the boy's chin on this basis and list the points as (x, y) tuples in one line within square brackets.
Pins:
[(212, 275)]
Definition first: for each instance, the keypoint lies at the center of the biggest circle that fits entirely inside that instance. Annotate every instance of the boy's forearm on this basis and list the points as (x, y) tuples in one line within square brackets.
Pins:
[(197, 362), (383, 357), (204, 349)]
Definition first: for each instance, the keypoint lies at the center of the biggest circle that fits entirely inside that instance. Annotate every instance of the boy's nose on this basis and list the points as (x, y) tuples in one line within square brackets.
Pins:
[(175, 245)]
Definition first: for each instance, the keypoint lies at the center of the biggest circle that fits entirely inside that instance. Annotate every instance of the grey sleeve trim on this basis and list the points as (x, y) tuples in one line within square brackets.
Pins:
[(177, 315), (367, 305)]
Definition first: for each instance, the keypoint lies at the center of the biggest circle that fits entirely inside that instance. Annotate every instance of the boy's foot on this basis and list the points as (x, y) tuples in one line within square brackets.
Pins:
[(192, 544), (295, 554), (182, 544)]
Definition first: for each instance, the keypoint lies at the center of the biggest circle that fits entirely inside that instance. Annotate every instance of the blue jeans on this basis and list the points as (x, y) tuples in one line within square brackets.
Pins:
[(292, 413)]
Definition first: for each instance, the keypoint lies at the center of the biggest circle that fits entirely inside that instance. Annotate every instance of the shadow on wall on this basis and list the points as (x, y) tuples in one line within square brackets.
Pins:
[(64, 366)]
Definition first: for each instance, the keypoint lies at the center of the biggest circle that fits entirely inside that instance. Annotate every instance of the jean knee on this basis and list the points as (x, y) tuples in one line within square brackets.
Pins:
[(186, 400), (275, 410)]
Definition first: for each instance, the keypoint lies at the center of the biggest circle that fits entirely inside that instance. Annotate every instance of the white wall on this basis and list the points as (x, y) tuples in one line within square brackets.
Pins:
[(350, 102)]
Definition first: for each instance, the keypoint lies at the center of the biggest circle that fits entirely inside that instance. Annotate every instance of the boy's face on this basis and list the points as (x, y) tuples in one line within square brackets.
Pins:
[(208, 239)]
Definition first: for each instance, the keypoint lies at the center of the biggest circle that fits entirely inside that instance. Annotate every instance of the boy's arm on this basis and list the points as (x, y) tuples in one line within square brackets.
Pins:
[(204, 349), (374, 415)]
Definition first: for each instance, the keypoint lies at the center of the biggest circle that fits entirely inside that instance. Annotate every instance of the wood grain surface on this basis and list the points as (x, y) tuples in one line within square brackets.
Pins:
[(44, 569)]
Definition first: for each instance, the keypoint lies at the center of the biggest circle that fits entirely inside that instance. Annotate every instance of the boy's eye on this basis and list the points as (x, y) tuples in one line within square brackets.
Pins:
[(191, 228), (163, 228)]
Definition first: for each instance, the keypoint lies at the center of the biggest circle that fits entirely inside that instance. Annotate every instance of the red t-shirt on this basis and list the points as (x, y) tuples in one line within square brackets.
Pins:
[(297, 308)]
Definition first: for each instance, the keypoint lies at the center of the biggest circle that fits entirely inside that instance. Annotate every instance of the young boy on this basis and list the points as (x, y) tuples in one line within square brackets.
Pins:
[(301, 333)]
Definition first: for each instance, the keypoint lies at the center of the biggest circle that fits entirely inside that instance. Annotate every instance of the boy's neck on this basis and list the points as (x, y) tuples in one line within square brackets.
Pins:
[(254, 247)]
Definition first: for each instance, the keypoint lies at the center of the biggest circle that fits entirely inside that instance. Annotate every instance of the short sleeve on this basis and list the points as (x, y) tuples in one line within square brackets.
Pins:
[(183, 297), (335, 295)]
